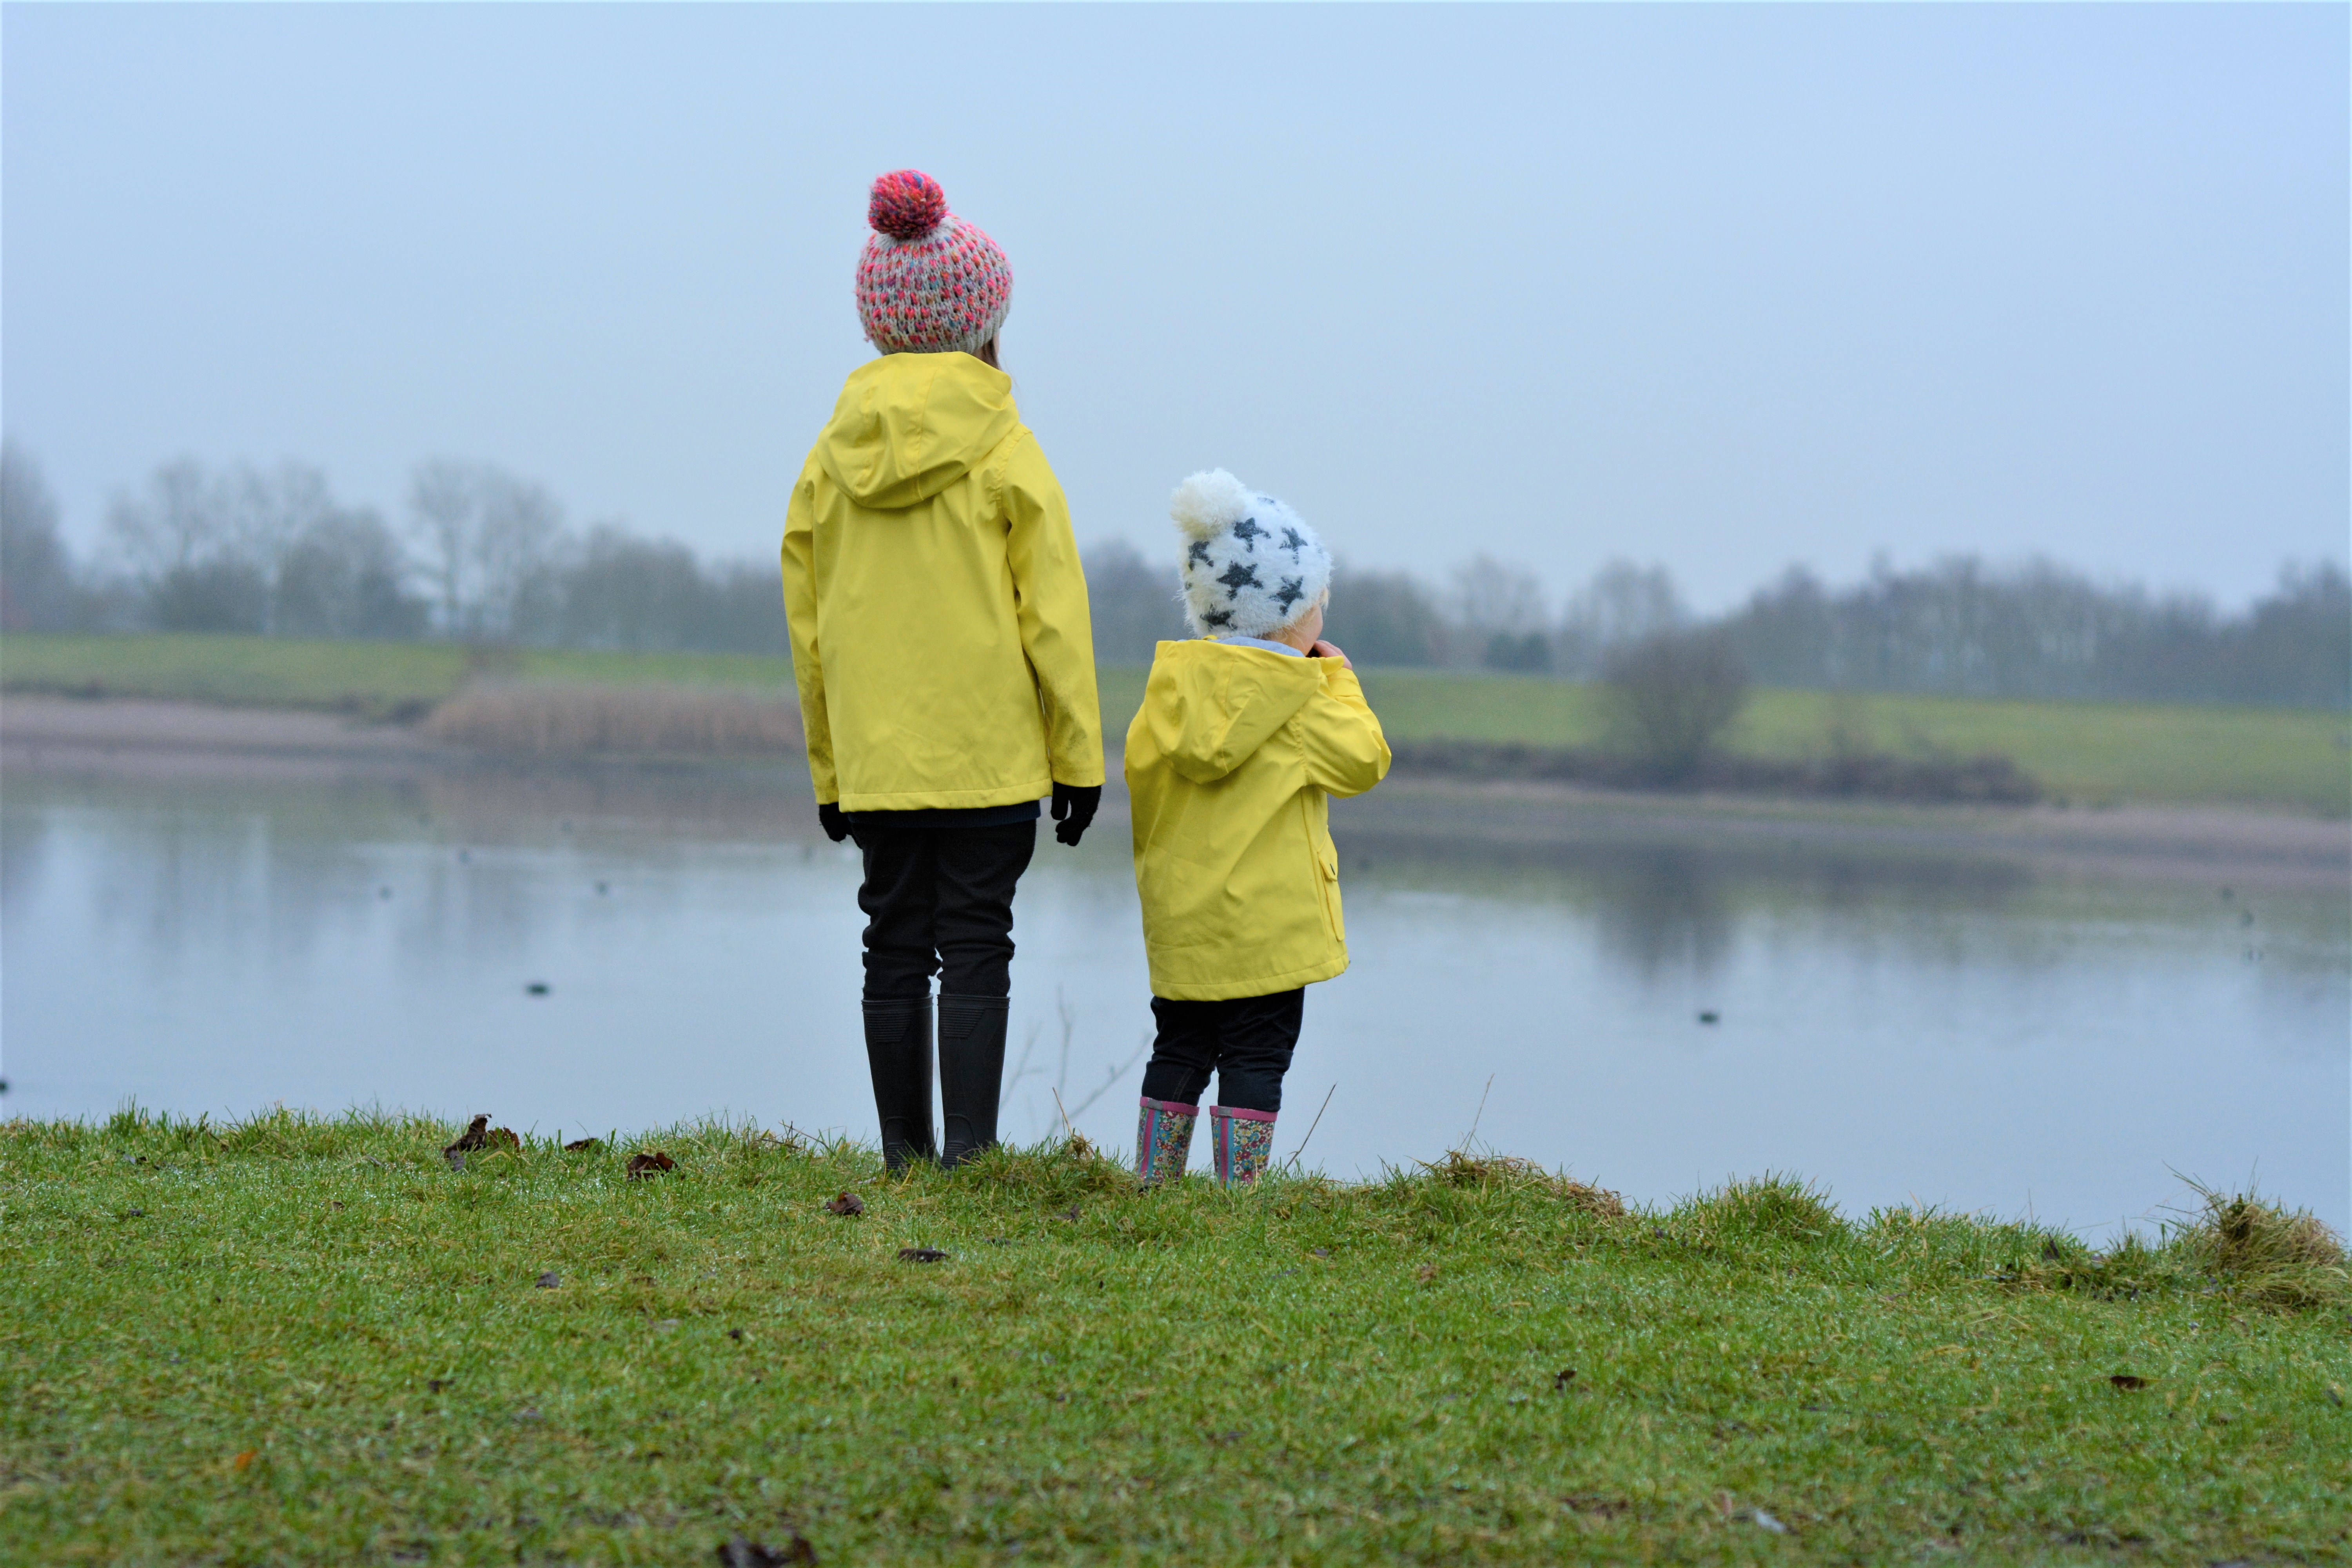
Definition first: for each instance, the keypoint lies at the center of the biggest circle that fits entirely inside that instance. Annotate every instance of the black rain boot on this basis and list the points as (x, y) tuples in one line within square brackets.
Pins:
[(972, 1072), (898, 1050)]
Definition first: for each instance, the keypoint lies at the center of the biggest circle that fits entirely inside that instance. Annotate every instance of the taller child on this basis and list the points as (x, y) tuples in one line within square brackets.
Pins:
[(944, 660)]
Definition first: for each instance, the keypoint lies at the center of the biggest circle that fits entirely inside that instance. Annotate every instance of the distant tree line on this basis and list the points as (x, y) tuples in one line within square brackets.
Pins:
[(1957, 627), (480, 555)]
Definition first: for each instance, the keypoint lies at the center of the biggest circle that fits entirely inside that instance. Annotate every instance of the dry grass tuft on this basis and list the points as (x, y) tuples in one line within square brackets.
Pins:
[(1460, 1168), (2266, 1253), (546, 718)]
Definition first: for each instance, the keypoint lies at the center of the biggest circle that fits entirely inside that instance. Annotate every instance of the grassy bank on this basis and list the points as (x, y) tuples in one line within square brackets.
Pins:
[(372, 679), (2087, 753), (304, 1341), (2084, 753)]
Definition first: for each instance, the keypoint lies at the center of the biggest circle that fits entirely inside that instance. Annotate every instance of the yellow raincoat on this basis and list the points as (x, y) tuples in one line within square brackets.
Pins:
[(938, 607), (1230, 764)]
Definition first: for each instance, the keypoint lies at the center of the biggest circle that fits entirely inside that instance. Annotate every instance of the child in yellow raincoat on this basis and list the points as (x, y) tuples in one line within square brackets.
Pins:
[(945, 664), (1245, 733)]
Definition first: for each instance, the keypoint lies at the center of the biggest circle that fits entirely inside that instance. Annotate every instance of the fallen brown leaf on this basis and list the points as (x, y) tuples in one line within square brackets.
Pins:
[(736, 1552), (921, 1255), (475, 1136), (1562, 1378), (582, 1146), (646, 1165), (501, 1138), (1427, 1273), (245, 1461), (2128, 1383), (846, 1204)]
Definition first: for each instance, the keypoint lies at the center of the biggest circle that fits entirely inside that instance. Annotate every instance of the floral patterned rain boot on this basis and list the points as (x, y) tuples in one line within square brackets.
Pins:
[(1240, 1143), (1163, 1140)]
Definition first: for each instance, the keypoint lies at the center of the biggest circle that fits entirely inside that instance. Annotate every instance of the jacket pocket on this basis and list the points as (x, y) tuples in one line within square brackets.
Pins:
[(1326, 879)]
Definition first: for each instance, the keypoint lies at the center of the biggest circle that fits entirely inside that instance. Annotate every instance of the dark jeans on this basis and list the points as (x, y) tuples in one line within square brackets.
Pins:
[(939, 901), (1247, 1040)]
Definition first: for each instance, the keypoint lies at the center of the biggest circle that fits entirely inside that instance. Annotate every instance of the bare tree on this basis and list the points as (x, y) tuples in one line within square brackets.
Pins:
[(37, 587), (1671, 695), (520, 527), (344, 575), (442, 506), (184, 518), (264, 514), (488, 539), (1623, 604), (1501, 609)]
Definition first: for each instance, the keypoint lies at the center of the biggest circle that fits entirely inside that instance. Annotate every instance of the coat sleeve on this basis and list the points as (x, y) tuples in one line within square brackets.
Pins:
[(1346, 752), (1049, 587), (800, 613)]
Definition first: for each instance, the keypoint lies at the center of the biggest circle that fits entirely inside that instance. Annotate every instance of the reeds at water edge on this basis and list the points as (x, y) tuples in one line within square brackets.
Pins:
[(547, 718)]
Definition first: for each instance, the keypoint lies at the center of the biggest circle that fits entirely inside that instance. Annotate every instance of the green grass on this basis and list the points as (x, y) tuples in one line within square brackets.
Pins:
[(2098, 754), (305, 1341), (2085, 753), (377, 680)]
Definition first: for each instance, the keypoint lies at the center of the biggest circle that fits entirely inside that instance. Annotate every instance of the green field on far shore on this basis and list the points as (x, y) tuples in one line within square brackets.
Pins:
[(304, 1340), (2085, 753)]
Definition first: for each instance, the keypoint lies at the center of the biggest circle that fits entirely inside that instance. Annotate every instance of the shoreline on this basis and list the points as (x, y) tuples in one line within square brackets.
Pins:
[(135, 739)]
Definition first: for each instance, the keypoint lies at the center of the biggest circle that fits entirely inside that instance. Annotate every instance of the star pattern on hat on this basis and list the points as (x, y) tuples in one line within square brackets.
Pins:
[(1267, 561), (1237, 576)]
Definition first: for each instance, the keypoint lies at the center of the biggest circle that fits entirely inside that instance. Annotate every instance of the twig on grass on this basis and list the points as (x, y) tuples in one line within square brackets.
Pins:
[(1069, 1023), (1483, 1093), (1113, 1077), (1020, 1069), (1310, 1130)]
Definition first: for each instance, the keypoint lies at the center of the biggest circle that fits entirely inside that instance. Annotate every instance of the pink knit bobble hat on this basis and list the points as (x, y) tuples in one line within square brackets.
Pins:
[(927, 283)]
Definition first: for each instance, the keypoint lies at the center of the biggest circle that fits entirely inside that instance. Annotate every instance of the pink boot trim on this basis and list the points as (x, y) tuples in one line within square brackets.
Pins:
[(1241, 1142), (1163, 1139)]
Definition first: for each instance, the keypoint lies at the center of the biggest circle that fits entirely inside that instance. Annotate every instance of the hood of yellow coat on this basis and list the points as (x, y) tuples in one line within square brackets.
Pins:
[(908, 425), (1211, 705)]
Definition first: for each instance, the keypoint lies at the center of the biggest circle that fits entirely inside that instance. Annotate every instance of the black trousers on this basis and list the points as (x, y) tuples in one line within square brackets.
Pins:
[(939, 901), (1246, 1040)]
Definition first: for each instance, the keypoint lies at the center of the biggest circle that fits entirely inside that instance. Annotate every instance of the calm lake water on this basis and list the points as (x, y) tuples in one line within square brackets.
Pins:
[(1941, 1028)]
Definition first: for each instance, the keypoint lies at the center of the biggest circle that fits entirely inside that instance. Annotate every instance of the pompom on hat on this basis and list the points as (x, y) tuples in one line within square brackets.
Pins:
[(929, 282), (1251, 566)]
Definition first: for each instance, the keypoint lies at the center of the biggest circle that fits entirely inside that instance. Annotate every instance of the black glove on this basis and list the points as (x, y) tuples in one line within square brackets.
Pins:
[(829, 817), (1074, 808)]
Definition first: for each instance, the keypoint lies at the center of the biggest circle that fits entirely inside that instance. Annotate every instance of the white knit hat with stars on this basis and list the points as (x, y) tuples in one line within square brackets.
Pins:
[(1251, 564)]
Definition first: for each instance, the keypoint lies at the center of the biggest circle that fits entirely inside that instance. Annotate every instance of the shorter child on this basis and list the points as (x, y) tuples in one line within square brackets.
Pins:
[(1244, 734)]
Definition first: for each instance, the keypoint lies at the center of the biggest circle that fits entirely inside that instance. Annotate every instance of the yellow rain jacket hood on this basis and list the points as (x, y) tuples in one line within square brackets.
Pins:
[(1230, 764), (938, 607)]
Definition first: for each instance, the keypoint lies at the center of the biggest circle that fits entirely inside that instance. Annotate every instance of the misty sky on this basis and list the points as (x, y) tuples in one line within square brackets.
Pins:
[(1723, 288)]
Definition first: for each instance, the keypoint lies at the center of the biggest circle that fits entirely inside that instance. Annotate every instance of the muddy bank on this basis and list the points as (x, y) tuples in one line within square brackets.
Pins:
[(1411, 812)]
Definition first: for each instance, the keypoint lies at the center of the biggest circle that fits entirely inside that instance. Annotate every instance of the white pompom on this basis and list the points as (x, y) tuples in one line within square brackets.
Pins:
[(1207, 503)]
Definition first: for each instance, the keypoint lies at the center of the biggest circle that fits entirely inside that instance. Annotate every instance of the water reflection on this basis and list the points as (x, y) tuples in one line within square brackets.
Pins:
[(1950, 1027)]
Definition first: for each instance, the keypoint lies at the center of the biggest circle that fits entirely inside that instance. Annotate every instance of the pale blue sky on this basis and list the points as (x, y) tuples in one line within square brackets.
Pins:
[(1724, 288)]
